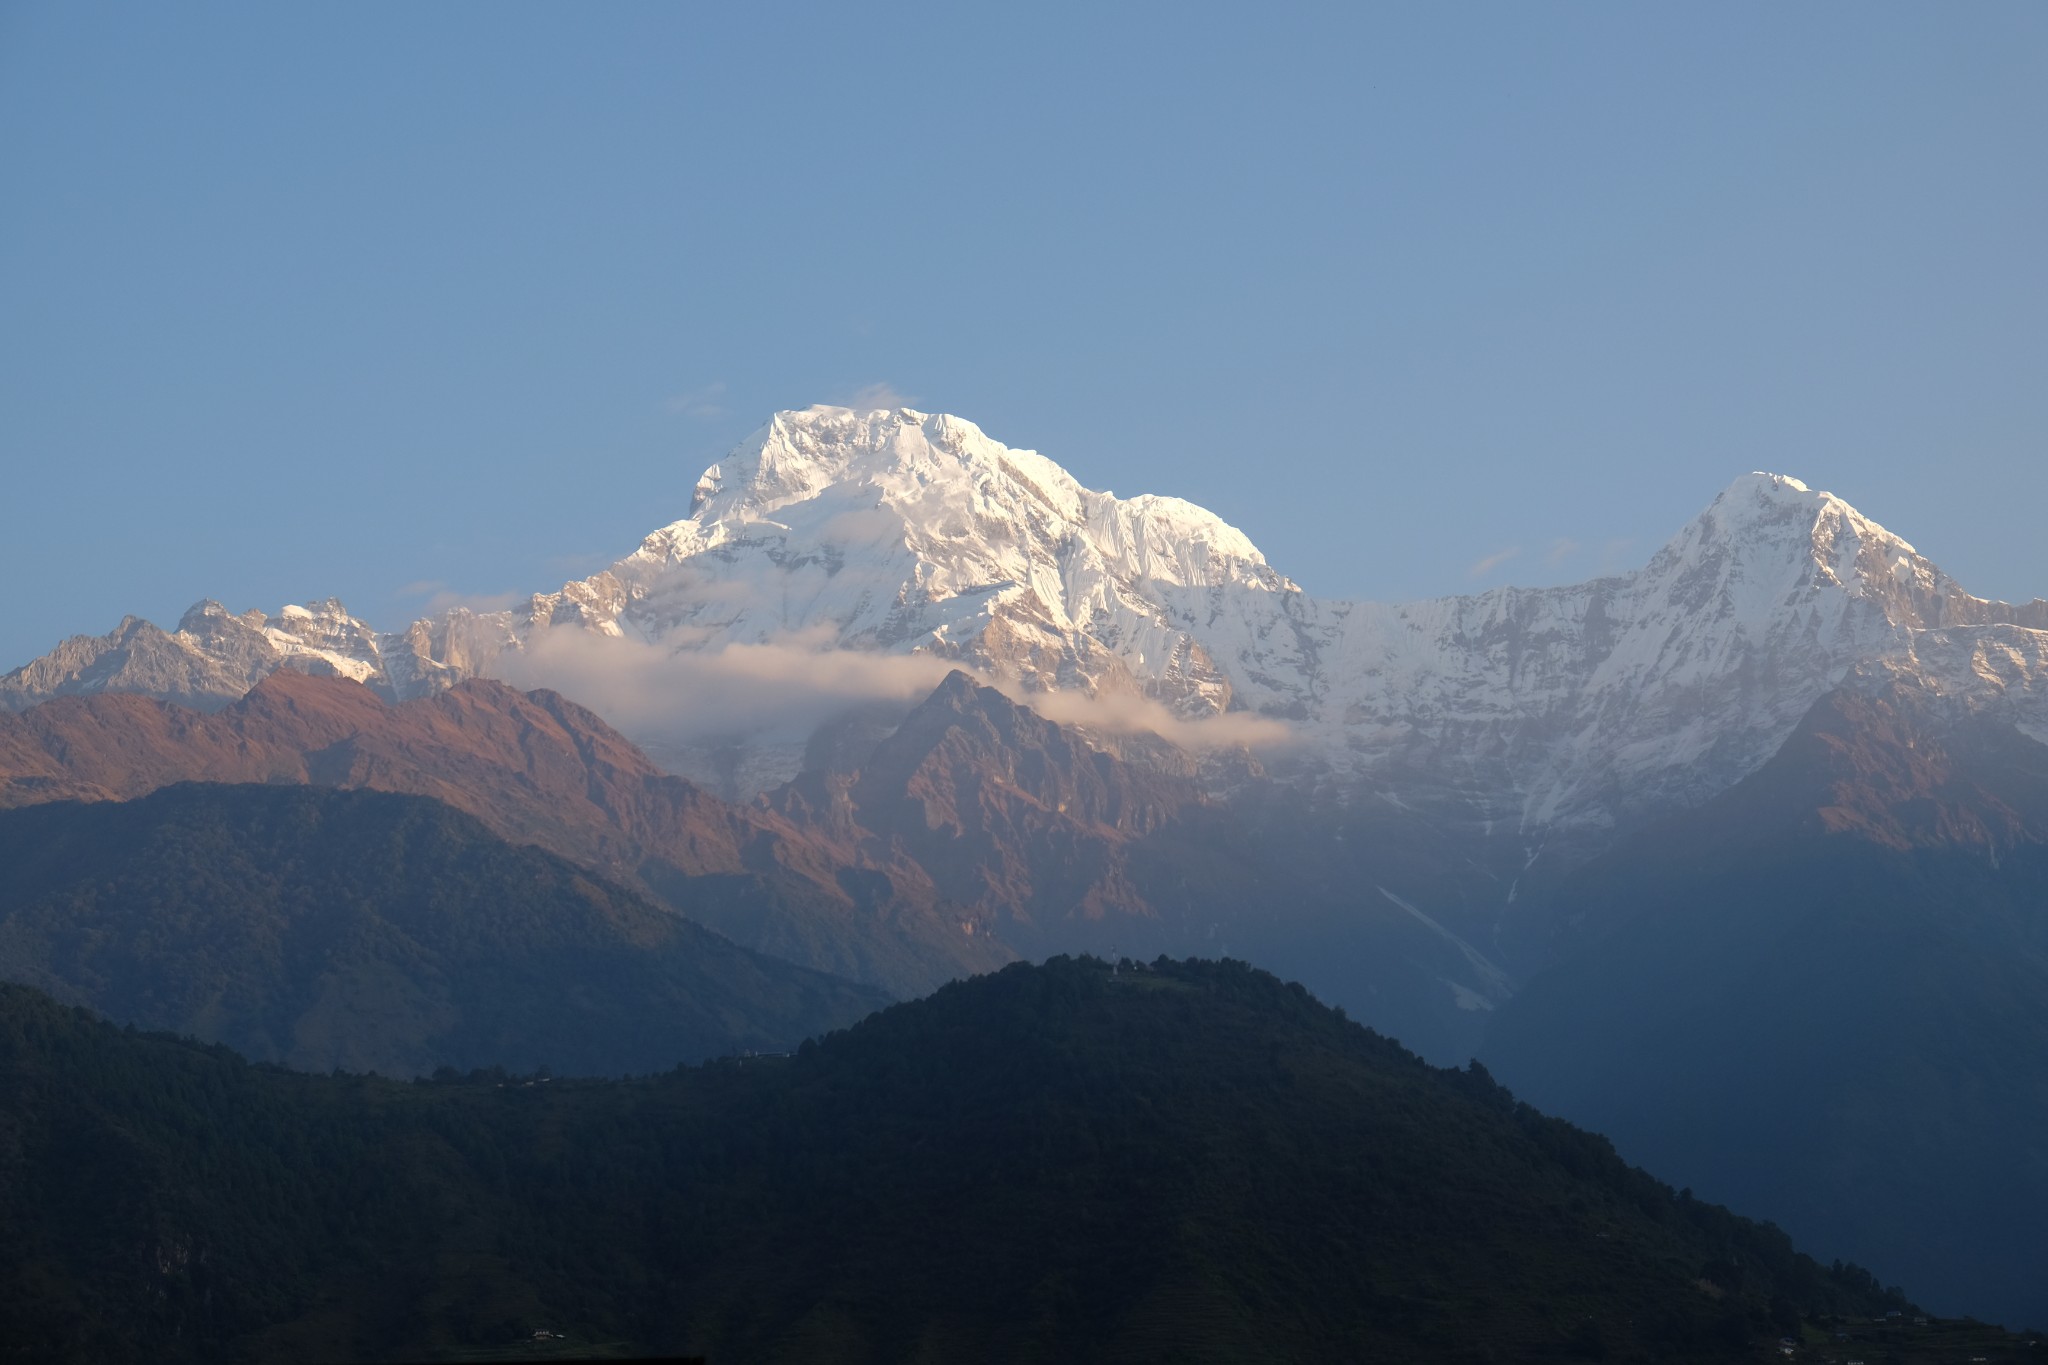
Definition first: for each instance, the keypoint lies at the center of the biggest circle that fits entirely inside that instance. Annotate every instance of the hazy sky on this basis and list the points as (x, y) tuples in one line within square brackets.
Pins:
[(382, 301)]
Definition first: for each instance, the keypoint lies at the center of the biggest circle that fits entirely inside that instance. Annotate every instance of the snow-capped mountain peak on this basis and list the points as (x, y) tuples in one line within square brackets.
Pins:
[(1791, 537), (902, 531), (951, 489)]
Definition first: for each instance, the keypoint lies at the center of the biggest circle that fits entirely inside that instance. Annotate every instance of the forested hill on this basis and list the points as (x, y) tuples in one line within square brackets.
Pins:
[(377, 932), (1191, 1161)]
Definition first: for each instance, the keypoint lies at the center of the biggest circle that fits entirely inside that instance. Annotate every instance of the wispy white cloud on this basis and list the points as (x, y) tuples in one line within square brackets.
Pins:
[(1482, 567), (1125, 713), (870, 397), (1561, 549), (440, 597), (684, 696), (782, 690), (706, 402)]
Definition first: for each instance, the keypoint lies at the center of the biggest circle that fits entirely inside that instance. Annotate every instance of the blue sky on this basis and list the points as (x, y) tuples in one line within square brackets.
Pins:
[(386, 301)]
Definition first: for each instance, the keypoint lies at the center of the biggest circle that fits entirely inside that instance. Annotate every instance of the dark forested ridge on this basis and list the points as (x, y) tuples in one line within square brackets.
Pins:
[(1186, 1162), (377, 932)]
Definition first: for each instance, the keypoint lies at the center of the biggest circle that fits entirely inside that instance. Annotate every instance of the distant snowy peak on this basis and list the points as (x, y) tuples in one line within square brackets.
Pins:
[(906, 532), (1582, 705), (215, 656), (1767, 532), (951, 494), (1774, 532), (1778, 534)]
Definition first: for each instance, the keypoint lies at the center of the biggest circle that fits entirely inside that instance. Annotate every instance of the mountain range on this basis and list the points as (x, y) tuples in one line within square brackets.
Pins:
[(1734, 857), (836, 565), (973, 833), (906, 536)]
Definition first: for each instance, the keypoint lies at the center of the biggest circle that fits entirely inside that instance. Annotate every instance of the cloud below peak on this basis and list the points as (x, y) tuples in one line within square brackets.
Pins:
[(781, 691)]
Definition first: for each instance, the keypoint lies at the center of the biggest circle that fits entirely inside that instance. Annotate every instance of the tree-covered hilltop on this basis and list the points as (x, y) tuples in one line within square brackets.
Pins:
[(377, 932), (1190, 1161)]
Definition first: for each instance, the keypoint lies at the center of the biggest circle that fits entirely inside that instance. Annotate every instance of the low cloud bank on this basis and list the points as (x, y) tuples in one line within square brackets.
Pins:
[(1126, 714), (783, 690)]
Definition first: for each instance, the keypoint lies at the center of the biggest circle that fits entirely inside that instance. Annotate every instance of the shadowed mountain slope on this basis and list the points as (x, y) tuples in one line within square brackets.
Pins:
[(372, 931), (1053, 845), (1825, 995), (1014, 818), (971, 832), (1191, 1162), (536, 768)]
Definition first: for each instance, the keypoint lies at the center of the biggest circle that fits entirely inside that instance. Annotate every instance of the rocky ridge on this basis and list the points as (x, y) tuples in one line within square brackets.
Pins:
[(534, 768)]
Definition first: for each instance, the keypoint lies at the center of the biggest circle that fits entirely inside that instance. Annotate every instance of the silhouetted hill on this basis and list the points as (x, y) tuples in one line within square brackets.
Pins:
[(373, 931), (1825, 996), (1188, 1162)]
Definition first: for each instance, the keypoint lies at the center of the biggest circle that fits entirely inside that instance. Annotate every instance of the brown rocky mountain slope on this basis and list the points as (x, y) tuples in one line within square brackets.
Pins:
[(1053, 845), (972, 832), (1014, 818), (1890, 768), (535, 768), (975, 830), (1898, 768)]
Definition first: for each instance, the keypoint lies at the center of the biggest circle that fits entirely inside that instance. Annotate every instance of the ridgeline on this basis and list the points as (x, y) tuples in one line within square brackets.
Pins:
[(1188, 1161)]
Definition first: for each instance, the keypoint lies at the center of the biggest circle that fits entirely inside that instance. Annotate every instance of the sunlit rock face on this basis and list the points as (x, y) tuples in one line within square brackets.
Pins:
[(840, 562)]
